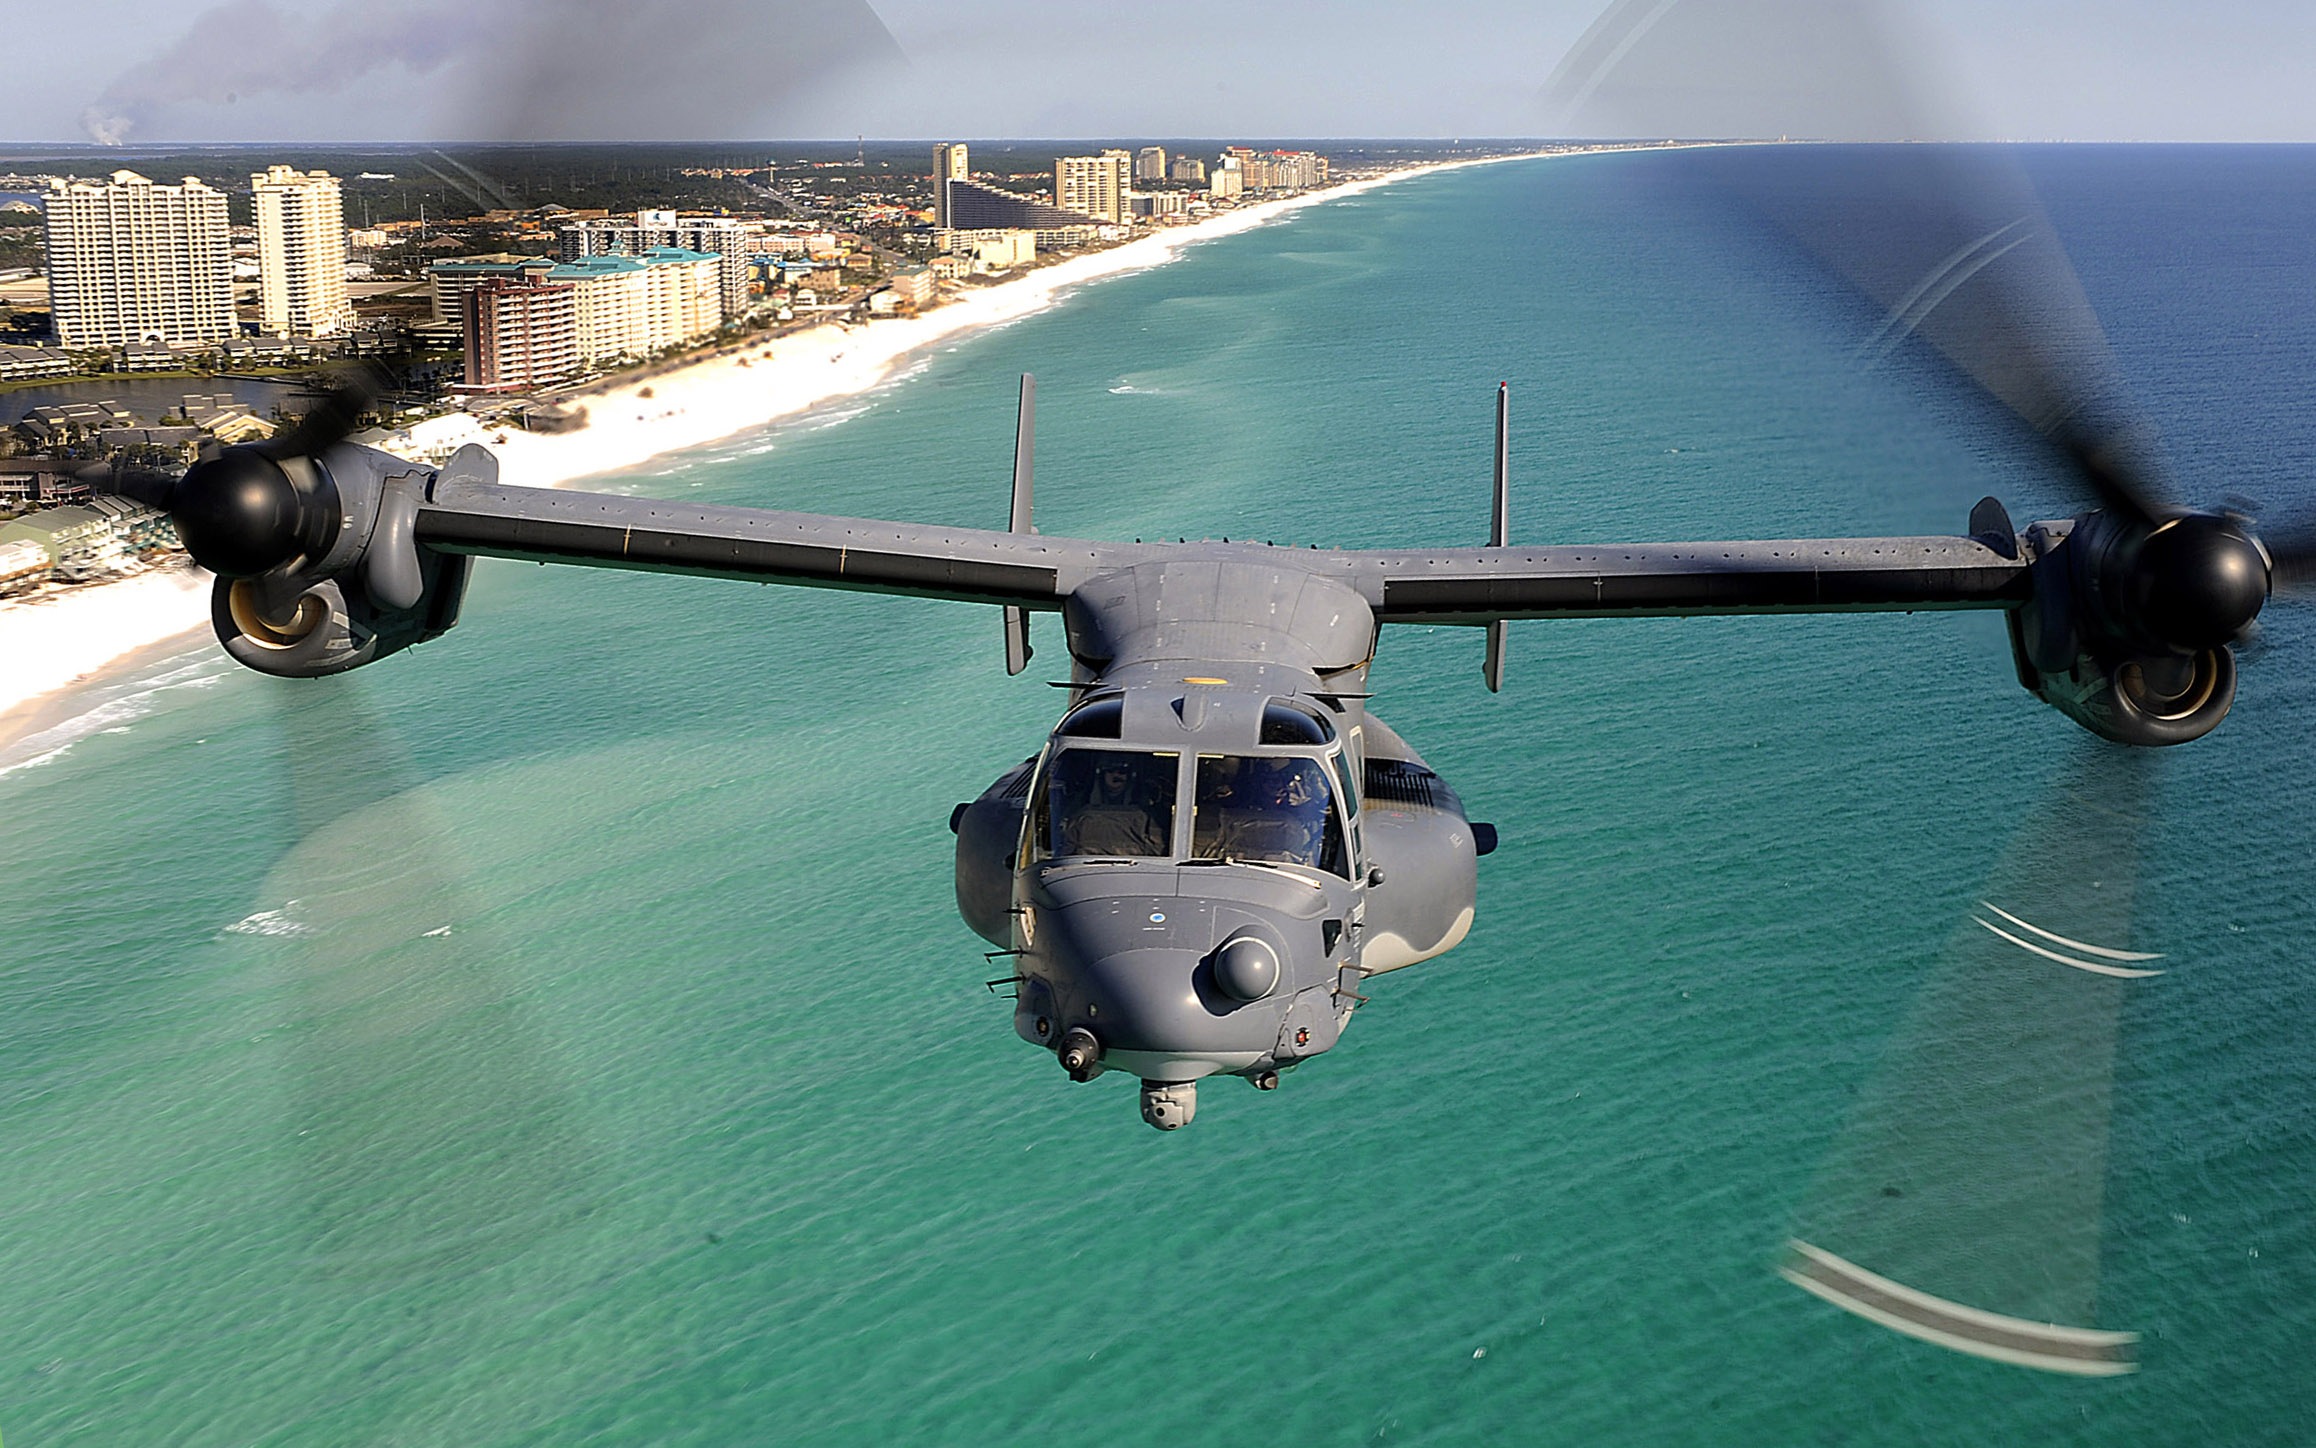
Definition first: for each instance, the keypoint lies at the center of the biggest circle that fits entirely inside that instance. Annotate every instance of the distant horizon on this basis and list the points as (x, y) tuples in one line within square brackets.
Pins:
[(13, 151)]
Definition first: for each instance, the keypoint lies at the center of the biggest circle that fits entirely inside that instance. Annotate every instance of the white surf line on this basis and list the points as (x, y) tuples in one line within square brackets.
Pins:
[(2088, 949), (2047, 1346)]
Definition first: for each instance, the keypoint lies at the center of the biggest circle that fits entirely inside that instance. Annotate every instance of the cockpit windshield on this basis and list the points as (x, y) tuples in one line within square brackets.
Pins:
[(1270, 808), (1108, 802)]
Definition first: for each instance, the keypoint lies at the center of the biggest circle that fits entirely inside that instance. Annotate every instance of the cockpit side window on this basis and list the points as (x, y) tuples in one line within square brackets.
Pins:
[(1271, 808), (1100, 719), (1286, 724), (1109, 803), (1341, 759)]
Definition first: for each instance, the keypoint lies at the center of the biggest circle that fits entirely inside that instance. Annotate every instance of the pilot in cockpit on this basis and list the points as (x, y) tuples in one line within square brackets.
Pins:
[(1110, 817), (1254, 808), (1281, 817)]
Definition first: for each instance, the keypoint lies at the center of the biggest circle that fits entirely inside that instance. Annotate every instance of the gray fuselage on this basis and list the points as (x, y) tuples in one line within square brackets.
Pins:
[(1217, 843)]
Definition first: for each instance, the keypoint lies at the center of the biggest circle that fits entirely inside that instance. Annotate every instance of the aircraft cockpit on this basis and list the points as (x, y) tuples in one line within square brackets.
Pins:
[(1288, 800)]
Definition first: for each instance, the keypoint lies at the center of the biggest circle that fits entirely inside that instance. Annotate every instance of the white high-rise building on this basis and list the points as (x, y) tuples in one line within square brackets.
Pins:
[(1094, 186), (130, 261), (1150, 164), (301, 253)]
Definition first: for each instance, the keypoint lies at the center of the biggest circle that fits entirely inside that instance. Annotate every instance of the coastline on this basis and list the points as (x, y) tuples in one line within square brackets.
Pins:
[(53, 646)]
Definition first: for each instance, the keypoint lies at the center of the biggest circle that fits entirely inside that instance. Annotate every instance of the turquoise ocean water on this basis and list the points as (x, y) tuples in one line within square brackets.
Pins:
[(563, 1035)]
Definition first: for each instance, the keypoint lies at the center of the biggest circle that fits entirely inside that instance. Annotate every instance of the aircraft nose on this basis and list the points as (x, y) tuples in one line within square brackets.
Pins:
[(1173, 991)]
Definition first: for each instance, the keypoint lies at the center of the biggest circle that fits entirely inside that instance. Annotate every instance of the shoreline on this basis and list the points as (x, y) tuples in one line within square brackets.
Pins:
[(54, 647)]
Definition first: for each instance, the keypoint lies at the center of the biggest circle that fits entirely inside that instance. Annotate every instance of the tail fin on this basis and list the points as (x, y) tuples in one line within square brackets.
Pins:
[(1492, 666), (1017, 650)]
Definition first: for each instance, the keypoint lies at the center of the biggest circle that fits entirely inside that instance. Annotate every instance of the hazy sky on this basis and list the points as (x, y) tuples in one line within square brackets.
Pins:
[(332, 70)]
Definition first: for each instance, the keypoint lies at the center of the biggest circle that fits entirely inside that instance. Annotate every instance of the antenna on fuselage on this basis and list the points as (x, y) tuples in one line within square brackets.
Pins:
[(1017, 650), (1499, 535)]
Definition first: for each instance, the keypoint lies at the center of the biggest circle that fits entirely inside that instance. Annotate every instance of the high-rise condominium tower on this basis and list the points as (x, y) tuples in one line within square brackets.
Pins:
[(129, 261), (301, 253), (949, 164), (1094, 186)]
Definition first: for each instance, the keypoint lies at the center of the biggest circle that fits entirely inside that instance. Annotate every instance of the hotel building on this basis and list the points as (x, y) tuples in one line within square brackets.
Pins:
[(130, 261), (1094, 186), (619, 306), (520, 333), (730, 242), (949, 164), (301, 253)]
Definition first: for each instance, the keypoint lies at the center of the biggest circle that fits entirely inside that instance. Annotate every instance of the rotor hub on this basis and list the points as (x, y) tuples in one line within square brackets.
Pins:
[(241, 515), (2198, 581)]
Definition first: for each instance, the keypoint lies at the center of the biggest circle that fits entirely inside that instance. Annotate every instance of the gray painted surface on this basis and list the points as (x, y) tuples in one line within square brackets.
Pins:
[(1211, 653)]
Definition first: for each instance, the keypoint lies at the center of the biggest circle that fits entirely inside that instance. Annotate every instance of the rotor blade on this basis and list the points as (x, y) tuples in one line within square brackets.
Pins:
[(1946, 243), (1962, 1201), (350, 392), (2292, 550), (149, 486), (429, 1119)]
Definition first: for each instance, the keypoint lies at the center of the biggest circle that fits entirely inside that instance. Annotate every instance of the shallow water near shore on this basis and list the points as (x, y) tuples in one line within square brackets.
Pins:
[(563, 1034)]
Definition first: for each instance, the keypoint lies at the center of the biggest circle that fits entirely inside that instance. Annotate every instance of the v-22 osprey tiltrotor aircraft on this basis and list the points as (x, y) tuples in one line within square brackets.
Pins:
[(1219, 844)]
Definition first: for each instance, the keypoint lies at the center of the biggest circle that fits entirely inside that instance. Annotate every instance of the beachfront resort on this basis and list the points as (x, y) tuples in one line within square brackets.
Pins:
[(150, 281), (612, 414)]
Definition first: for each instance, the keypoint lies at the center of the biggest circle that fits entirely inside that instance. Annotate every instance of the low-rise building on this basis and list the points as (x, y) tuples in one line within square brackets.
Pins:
[(135, 527), (147, 357), (78, 540), (19, 363), (265, 352), (991, 248), (912, 286), (48, 481), (23, 563), (181, 440), (72, 421)]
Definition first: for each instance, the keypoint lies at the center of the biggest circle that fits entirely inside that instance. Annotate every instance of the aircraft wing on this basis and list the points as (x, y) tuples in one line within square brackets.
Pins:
[(464, 513), (1801, 575)]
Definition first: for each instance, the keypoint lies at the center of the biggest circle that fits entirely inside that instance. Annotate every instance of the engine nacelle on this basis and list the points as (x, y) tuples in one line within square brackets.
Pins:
[(2126, 630), (319, 569), (331, 624)]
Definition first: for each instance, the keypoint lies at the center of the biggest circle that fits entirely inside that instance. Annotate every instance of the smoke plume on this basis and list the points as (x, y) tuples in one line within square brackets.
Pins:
[(519, 69)]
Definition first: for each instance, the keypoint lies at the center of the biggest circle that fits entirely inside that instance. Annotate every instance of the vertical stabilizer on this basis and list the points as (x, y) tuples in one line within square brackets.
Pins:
[(1492, 666), (1017, 649)]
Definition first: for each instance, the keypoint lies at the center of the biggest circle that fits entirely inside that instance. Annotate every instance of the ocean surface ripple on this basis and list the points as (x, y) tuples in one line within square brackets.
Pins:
[(562, 1034)]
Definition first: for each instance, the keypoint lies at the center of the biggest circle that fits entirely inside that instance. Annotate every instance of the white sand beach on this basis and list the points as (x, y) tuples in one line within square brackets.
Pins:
[(57, 642)]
